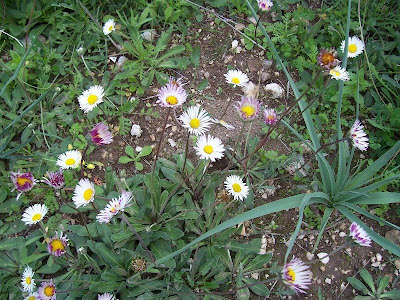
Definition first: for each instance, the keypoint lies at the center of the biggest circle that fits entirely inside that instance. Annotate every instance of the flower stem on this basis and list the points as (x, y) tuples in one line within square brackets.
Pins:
[(186, 153), (83, 157), (160, 142)]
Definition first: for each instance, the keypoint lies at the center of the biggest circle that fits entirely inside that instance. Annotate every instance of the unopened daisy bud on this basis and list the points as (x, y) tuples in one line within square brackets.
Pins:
[(101, 135), (359, 235), (23, 182), (55, 179), (91, 166), (270, 116), (296, 275), (109, 27), (328, 59), (70, 147), (80, 50), (139, 264)]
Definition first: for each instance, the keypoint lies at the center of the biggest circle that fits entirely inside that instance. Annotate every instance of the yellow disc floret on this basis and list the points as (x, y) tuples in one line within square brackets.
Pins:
[(208, 149)]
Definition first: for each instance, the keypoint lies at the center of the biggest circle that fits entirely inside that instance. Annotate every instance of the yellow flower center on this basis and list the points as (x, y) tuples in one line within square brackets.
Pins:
[(70, 162), (22, 181), (291, 274), (87, 195), (194, 123), (28, 280), (208, 149), (248, 110), (336, 73), (236, 80), (270, 117), (31, 298), (236, 187), (110, 28), (57, 245), (327, 58), (352, 48), (172, 100), (49, 291), (92, 99), (36, 217)]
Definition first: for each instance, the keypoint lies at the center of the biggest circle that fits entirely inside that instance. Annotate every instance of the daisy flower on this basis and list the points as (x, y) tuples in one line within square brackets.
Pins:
[(34, 214), (54, 179), (339, 73), (83, 193), (109, 26), (358, 136), (248, 108), (359, 235), (69, 160), (265, 5), (196, 120), (27, 281), (236, 77), (296, 275), (115, 206), (236, 187), (177, 82), (328, 59), (100, 134), (47, 290), (57, 244), (171, 95), (355, 48), (90, 98), (270, 116), (209, 147), (106, 296), (23, 182), (32, 296)]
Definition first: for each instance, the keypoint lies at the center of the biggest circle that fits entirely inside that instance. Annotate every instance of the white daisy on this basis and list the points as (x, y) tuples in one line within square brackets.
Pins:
[(115, 206), (358, 136), (171, 95), (355, 48), (83, 193), (32, 296), (27, 281), (196, 120), (236, 77), (236, 187), (69, 160), (296, 275), (34, 214), (106, 296), (109, 26), (91, 98), (209, 147), (339, 73)]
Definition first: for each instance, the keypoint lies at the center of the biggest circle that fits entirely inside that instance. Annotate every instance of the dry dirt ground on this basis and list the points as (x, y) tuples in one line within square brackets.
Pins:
[(217, 98)]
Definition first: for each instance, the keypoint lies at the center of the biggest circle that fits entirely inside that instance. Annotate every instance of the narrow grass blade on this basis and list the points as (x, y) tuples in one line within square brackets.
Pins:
[(377, 198), (327, 214)]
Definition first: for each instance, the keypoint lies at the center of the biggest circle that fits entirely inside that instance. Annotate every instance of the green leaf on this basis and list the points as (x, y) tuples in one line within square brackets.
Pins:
[(109, 256), (394, 294), (357, 284), (367, 277), (258, 289), (327, 213), (129, 150), (258, 262), (125, 159), (7, 244), (383, 284), (161, 249), (146, 150), (103, 286), (33, 257), (377, 198), (138, 166), (174, 51), (195, 57)]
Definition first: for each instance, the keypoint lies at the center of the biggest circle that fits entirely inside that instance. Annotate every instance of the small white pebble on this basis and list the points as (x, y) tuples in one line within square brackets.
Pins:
[(328, 280)]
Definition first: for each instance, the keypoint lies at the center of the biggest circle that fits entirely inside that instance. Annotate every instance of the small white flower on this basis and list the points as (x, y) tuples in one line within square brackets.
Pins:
[(106, 296), (236, 77), (32, 296), (209, 147), (339, 73), (90, 98), (84, 193), (27, 281), (109, 27), (136, 130), (236, 187), (34, 214), (81, 250), (323, 257), (358, 136), (355, 48), (69, 160), (196, 120)]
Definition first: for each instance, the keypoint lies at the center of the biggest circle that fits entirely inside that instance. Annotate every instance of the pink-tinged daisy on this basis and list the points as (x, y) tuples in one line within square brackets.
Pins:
[(196, 120), (171, 95), (54, 179), (177, 82), (359, 235), (83, 193), (270, 116), (27, 281), (296, 275), (34, 214), (106, 296), (115, 206), (57, 244), (90, 98), (209, 147), (339, 73), (47, 290), (355, 48), (328, 59), (100, 134), (358, 136), (23, 182), (236, 77), (265, 5), (248, 108)]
